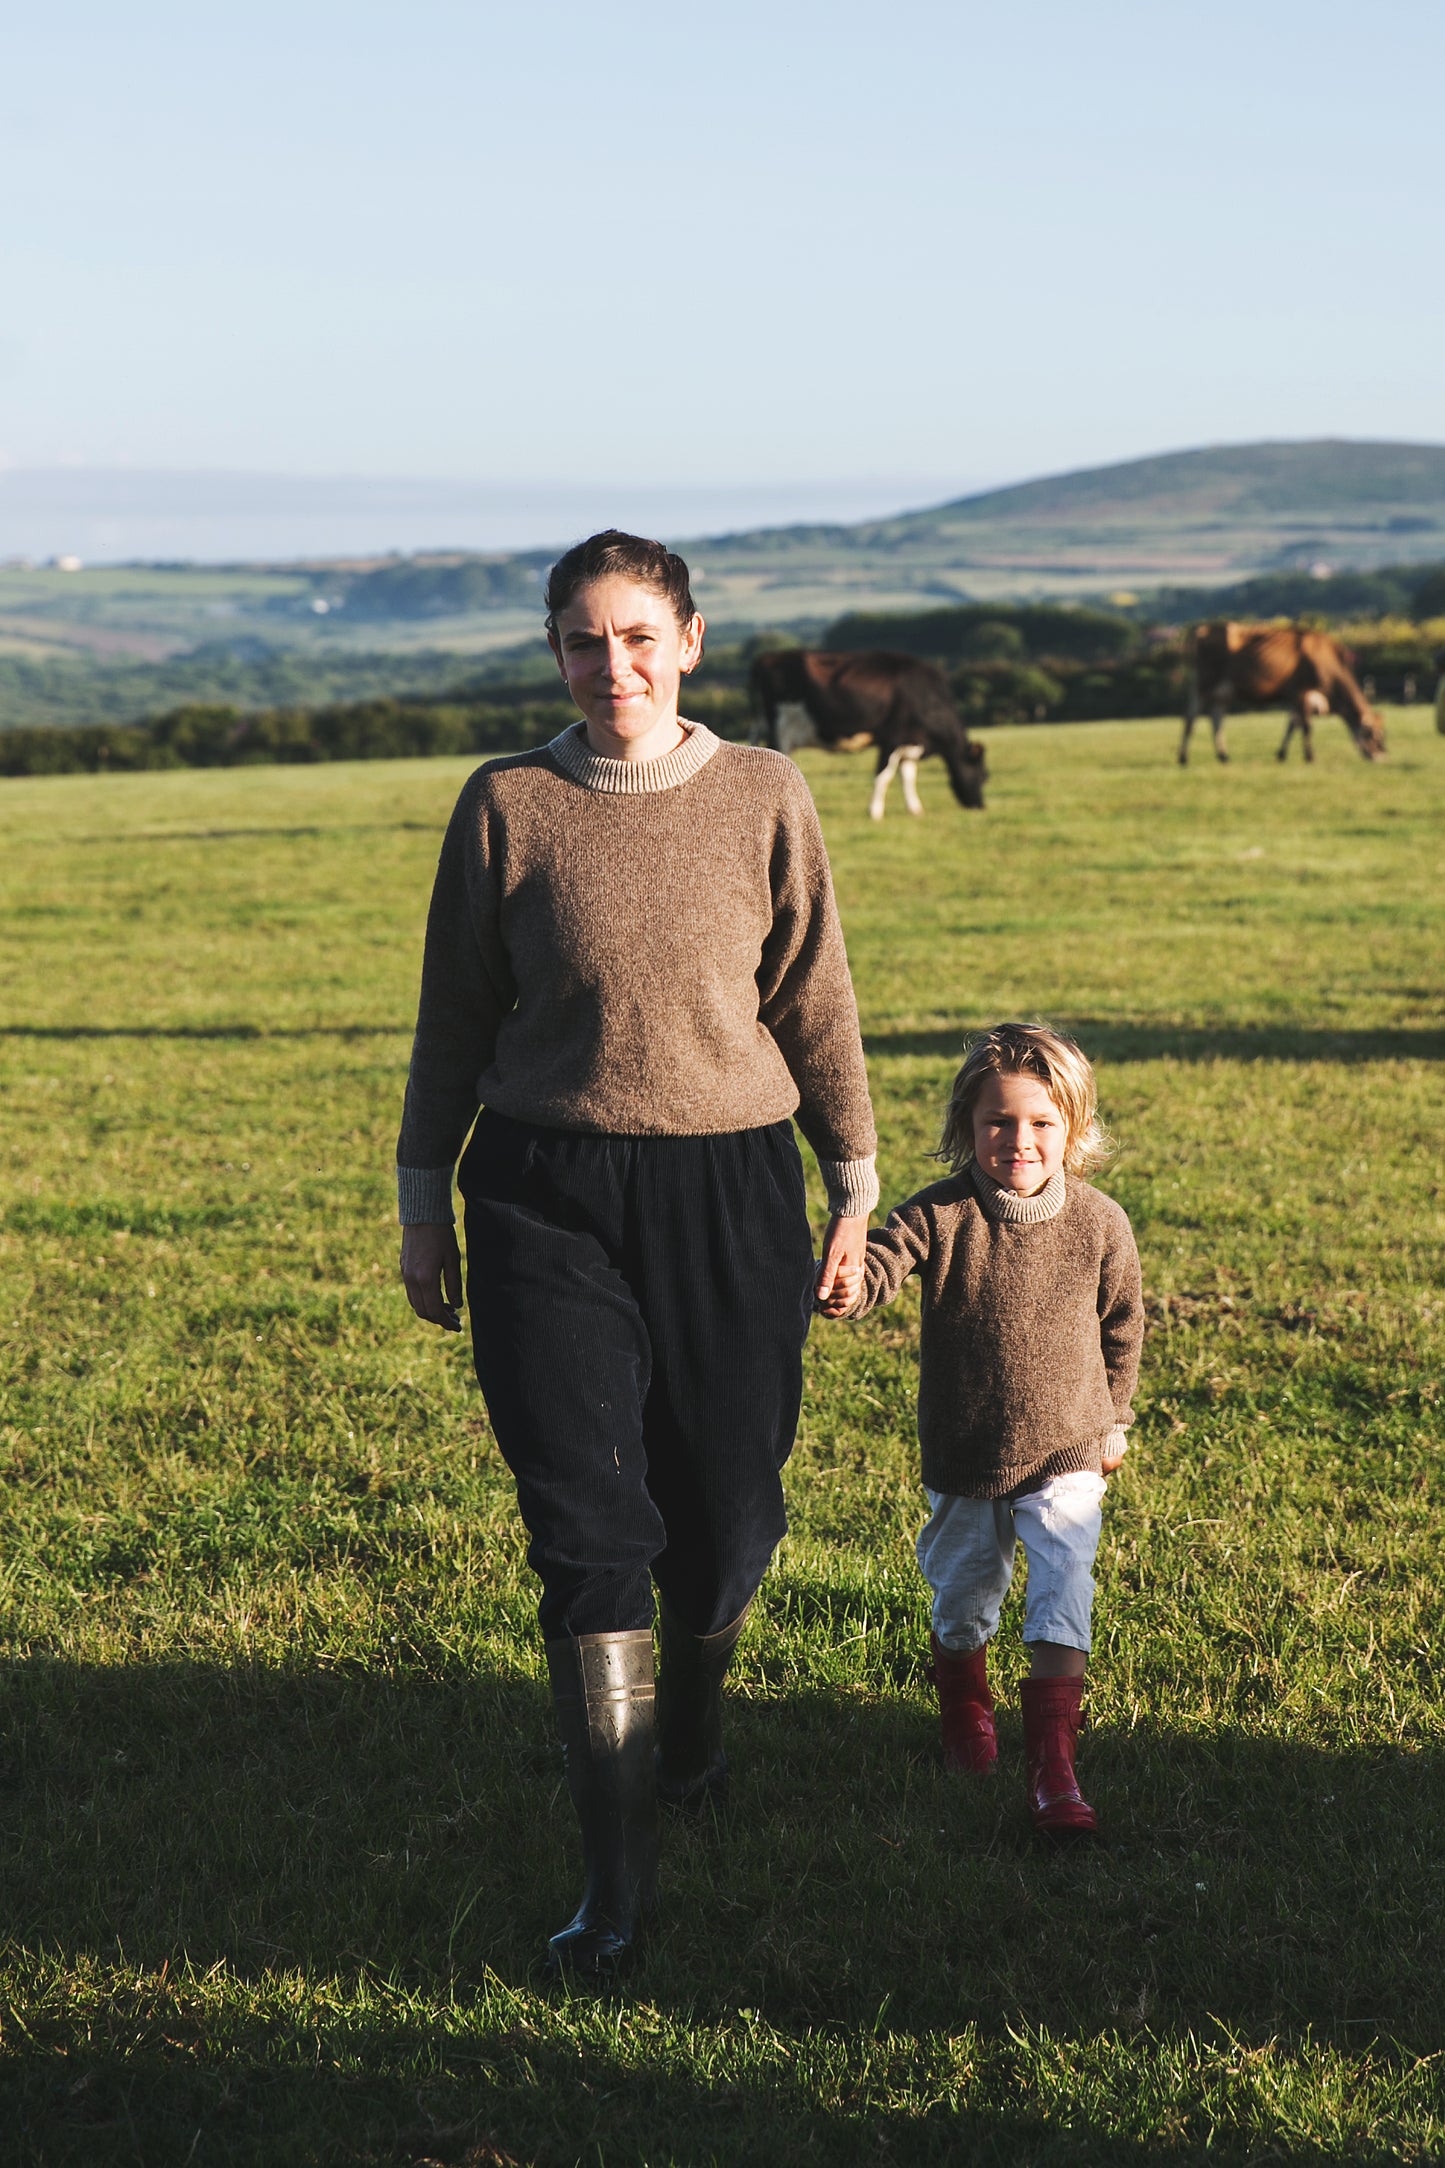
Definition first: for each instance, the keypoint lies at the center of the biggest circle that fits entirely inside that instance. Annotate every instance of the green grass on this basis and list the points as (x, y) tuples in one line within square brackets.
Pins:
[(281, 1824)]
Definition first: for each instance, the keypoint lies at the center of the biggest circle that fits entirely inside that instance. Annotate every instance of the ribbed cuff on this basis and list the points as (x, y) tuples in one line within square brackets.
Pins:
[(424, 1196), (852, 1185)]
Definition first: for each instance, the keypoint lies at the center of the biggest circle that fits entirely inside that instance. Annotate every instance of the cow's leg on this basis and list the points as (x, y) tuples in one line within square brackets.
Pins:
[(1292, 724), (908, 759), (1191, 717), (1309, 707), (1217, 717), (1314, 707), (888, 766)]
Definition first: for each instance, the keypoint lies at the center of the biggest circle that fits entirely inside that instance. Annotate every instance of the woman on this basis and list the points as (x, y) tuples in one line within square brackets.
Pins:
[(634, 967)]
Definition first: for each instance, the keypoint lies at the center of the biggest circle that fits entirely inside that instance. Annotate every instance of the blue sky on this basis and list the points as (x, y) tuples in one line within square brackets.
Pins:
[(876, 253)]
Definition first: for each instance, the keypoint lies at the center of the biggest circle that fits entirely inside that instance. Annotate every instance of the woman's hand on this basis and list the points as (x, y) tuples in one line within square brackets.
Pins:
[(1116, 1445), (431, 1272), (840, 1278)]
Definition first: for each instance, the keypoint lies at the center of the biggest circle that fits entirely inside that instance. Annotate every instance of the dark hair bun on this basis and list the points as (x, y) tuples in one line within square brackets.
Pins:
[(613, 554)]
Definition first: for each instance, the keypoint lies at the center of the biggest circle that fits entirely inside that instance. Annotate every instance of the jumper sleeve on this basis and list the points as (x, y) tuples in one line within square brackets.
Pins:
[(466, 990), (806, 1002), (892, 1253), (1121, 1316)]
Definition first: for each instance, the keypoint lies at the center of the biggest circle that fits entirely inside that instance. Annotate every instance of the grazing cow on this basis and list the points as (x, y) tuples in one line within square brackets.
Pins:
[(1263, 666), (843, 702)]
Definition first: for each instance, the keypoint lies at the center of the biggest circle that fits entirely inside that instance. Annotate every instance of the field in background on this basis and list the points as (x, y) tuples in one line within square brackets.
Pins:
[(112, 643), (281, 1817)]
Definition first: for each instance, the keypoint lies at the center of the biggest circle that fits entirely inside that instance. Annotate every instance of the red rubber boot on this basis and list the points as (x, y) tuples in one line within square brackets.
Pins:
[(1052, 1716), (970, 1743)]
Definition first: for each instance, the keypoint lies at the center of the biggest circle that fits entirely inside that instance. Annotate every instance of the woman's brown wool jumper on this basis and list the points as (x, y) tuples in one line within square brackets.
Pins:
[(1033, 1318), (636, 949)]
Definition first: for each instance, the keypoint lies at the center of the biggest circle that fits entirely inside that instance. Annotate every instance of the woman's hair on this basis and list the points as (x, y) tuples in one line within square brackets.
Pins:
[(1063, 1070), (613, 554)]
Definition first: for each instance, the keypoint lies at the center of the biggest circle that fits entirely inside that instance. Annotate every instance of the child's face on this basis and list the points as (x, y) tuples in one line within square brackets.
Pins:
[(1019, 1135)]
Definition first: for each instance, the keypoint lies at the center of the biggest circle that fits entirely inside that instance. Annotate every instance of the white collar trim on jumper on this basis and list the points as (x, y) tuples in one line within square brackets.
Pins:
[(633, 778), (1014, 1211)]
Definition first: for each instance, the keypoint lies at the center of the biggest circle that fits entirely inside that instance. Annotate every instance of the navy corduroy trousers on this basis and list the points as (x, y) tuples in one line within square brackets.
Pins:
[(638, 1311)]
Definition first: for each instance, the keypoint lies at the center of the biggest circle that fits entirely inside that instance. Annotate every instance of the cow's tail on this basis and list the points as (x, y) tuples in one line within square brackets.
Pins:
[(1199, 692)]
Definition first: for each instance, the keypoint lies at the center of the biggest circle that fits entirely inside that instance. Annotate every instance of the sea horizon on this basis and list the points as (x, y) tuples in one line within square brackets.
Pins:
[(123, 515)]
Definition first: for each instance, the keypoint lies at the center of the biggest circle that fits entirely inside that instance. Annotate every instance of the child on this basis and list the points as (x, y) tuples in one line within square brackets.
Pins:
[(1032, 1323)]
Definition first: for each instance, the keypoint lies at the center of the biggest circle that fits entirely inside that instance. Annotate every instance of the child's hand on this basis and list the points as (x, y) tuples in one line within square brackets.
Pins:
[(1116, 1445), (844, 1247), (847, 1287)]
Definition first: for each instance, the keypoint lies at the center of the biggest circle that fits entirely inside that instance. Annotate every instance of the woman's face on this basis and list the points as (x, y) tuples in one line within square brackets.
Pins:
[(623, 655)]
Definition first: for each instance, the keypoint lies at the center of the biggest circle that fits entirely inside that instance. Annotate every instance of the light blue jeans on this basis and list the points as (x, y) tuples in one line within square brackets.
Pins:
[(966, 1550)]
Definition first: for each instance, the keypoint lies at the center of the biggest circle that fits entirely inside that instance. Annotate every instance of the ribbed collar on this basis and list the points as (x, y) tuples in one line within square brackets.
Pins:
[(633, 778), (1001, 1204)]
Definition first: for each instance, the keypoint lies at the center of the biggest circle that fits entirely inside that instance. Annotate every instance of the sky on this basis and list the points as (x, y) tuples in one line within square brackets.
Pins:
[(793, 259)]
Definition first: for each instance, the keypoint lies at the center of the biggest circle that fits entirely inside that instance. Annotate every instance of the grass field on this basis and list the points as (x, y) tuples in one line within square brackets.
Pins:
[(281, 1820)]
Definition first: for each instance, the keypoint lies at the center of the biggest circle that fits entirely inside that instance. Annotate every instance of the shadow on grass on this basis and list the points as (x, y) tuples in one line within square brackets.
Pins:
[(555, 2102), (408, 1838), (263, 835), (1104, 1040), (204, 1031), (1101, 1040)]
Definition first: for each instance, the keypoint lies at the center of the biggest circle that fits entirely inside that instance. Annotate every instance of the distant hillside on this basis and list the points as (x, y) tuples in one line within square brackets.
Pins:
[(1185, 518), (1331, 479), (109, 643)]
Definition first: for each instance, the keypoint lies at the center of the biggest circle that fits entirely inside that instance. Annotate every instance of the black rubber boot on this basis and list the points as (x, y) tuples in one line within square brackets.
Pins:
[(692, 1769), (603, 1693)]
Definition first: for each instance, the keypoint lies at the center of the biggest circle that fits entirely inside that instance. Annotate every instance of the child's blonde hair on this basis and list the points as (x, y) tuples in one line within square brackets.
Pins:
[(1061, 1067)]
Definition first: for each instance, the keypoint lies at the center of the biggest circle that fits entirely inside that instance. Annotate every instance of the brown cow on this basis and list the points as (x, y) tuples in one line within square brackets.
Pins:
[(845, 701), (1265, 666)]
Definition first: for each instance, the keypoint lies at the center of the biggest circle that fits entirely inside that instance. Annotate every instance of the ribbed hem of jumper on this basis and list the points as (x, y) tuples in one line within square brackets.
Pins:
[(424, 1196), (1005, 1479), (852, 1186), (633, 778), (1001, 1204)]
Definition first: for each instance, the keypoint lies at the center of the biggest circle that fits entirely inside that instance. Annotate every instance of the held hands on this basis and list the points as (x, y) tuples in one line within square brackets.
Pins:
[(431, 1272), (431, 1269), (840, 1279), (1116, 1445)]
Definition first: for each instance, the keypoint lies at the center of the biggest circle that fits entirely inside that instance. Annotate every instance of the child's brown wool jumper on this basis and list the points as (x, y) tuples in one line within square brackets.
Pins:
[(1033, 1318), (637, 949)]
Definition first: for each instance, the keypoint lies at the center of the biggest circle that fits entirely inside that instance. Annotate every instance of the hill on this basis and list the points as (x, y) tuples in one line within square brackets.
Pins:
[(1179, 520), (107, 644), (1182, 519)]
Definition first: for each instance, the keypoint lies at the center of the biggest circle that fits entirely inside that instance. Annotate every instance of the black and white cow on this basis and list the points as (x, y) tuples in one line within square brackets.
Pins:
[(804, 696)]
